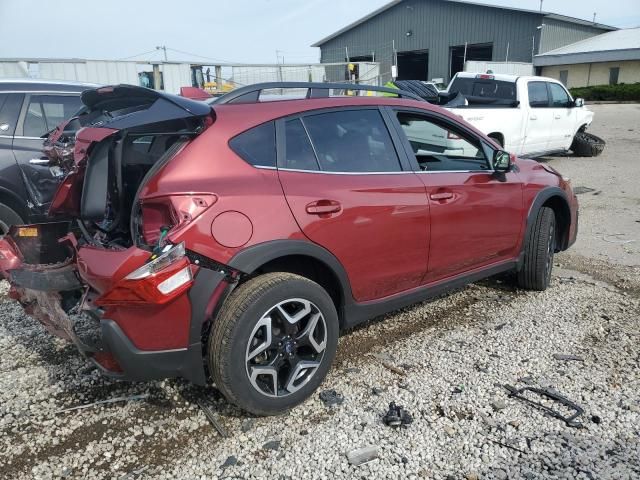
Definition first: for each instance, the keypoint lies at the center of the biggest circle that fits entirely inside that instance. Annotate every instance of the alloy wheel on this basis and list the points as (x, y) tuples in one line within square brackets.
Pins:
[(286, 347)]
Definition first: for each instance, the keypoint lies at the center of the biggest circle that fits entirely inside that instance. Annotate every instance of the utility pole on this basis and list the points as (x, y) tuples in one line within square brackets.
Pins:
[(541, 1), (594, 17), (164, 49)]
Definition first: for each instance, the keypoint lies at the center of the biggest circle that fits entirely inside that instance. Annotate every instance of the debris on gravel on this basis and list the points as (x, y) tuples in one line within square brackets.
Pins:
[(397, 416), (331, 398), (362, 455)]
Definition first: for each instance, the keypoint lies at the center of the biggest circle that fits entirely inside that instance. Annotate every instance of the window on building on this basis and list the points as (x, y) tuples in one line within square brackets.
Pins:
[(438, 148), (614, 73), (257, 146), (559, 96), (352, 141), (538, 95), (564, 77)]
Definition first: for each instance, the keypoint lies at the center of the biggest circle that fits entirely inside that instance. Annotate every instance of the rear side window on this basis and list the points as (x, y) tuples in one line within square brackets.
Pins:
[(299, 153), (485, 88), (10, 104), (538, 95), (352, 141), (559, 96), (46, 112), (257, 146)]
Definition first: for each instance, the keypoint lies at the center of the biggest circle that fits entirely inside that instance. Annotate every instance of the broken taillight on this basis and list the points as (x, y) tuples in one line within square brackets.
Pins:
[(163, 278), (172, 212)]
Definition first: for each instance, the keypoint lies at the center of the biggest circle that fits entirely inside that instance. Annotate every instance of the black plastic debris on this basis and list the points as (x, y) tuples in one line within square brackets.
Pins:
[(397, 416), (331, 398), (549, 395)]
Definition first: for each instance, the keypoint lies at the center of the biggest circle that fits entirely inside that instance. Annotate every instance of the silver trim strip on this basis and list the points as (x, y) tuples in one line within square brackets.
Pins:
[(44, 92), (372, 173)]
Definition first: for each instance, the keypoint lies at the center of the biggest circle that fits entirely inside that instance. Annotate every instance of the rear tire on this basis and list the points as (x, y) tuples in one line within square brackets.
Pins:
[(273, 342), (8, 217), (535, 273), (587, 145)]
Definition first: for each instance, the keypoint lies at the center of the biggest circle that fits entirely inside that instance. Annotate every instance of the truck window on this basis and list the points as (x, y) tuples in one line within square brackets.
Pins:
[(559, 96), (485, 88), (438, 148), (538, 95)]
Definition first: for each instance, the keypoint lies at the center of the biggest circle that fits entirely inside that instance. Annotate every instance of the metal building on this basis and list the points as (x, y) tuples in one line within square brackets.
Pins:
[(427, 39)]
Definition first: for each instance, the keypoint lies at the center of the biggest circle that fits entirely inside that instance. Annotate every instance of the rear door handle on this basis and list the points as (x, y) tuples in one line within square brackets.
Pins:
[(39, 161), (323, 207), (441, 196), (558, 117), (533, 117)]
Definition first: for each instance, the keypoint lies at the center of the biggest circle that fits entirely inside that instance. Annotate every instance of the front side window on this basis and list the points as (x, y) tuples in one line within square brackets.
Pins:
[(257, 146), (437, 147), (46, 112), (352, 141), (538, 95), (559, 96)]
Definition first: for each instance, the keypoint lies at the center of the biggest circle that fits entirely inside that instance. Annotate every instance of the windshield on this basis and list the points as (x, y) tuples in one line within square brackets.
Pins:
[(484, 88)]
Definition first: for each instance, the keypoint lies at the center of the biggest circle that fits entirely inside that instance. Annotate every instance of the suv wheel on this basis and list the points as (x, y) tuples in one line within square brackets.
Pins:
[(535, 274), (273, 342), (7, 218)]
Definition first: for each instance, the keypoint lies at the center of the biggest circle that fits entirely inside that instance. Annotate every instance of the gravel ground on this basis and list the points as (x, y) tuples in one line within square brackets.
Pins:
[(445, 361)]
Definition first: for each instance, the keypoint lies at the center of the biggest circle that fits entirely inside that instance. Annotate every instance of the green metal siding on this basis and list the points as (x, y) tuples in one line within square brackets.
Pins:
[(437, 25), (556, 34)]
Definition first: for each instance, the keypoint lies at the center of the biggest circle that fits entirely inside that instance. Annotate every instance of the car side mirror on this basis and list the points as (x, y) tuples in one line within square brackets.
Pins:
[(501, 161), (578, 102)]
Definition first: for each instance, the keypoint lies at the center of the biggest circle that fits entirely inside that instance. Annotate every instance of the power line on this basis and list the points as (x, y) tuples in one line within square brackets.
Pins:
[(139, 54)]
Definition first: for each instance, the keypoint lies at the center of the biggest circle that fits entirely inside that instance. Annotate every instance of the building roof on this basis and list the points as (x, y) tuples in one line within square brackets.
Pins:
[(608, 47), (393, 3)]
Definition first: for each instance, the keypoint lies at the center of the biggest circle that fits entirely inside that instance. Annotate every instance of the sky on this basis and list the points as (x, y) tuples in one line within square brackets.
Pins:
[(238, 31)]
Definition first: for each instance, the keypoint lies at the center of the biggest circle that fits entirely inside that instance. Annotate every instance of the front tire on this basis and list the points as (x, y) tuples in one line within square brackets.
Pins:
[(273, 342), (587, 145), (535, 273)]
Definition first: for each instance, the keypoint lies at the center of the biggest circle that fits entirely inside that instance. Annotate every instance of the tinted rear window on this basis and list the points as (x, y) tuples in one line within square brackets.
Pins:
[(352, 141), (257, 146), (486, 88)]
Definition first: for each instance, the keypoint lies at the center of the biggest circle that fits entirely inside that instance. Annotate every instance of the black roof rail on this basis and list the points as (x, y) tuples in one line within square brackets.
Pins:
[(251, 93)]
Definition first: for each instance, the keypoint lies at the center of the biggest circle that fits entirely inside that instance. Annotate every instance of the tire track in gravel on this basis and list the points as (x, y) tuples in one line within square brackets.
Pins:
[(447, 311)]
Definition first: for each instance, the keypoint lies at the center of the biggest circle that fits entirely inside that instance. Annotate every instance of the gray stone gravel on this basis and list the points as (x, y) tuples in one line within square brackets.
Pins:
[(463, 424)]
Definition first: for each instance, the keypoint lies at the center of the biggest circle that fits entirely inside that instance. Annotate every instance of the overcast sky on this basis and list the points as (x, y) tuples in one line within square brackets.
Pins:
[(234, 31)]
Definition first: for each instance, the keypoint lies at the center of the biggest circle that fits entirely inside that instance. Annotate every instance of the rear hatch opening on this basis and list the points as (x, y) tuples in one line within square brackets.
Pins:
[(122, 138)]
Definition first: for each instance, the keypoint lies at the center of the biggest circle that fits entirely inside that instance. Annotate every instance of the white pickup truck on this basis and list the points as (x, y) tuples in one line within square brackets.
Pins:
[(528, 116)]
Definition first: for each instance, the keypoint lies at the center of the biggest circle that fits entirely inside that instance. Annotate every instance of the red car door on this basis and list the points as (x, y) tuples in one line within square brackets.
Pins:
[(345, 185), (476, 215)]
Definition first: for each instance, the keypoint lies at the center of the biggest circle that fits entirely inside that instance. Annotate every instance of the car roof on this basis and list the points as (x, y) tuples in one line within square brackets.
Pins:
[(242, 116), (38, 85), (507, 77)]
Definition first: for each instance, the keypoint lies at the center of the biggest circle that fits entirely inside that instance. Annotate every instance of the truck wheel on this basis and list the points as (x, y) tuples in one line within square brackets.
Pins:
[(7, 218), (273, 342), (587, 145), (535, 273)]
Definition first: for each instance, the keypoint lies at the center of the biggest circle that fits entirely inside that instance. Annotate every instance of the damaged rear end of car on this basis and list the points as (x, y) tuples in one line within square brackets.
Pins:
[(103, 273)]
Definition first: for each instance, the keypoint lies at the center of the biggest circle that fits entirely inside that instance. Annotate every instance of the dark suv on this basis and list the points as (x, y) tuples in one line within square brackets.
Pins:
[(29, 109), (233, 242)]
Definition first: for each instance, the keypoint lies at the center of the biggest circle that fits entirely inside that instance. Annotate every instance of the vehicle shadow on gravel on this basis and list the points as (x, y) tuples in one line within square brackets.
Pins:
[(445, 311)]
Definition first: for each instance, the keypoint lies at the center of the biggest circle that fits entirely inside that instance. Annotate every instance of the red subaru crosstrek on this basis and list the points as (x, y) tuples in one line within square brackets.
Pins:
[(232, 242)]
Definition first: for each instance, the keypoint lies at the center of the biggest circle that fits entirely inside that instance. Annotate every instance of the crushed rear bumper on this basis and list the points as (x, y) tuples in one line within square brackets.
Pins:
[(56, 295)]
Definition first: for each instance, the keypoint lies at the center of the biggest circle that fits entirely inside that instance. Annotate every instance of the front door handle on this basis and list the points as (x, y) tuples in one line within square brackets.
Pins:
[(441, 196), (558, 117), (39, 161), (323, 207), (533, 117)]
